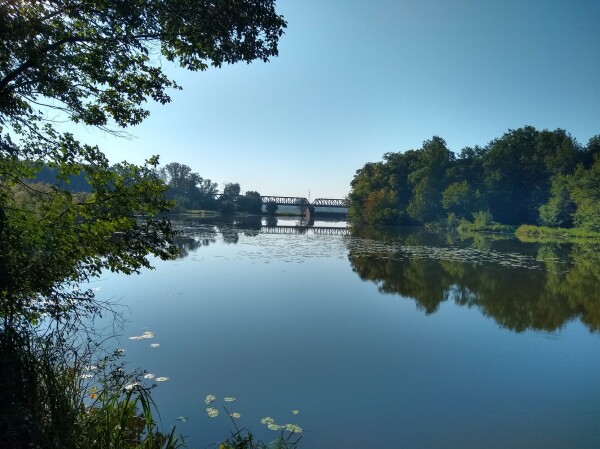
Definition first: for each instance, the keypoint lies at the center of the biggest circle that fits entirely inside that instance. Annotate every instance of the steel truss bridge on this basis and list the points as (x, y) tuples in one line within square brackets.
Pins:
[(298, 201), (299, 230)]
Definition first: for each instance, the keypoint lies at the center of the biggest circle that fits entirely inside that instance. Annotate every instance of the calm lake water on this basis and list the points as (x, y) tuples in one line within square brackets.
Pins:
[(382, 339)]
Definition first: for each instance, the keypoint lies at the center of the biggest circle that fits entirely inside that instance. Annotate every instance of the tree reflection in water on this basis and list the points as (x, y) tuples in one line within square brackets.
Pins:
[(565, 284)]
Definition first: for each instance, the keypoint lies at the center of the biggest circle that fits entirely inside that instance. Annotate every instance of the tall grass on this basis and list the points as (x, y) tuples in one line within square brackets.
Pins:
[(50, 398)]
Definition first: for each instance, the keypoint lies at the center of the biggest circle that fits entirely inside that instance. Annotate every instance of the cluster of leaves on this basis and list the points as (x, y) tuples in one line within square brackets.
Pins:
[(100, 60), (525, 176), (52, 240)]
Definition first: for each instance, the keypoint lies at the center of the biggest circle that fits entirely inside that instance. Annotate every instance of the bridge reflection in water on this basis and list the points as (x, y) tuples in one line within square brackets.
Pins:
[(299, 230)]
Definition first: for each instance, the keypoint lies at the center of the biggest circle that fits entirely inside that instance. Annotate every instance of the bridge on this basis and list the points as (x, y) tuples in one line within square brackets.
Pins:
[(300, 230), (303, 203), (296, 201)]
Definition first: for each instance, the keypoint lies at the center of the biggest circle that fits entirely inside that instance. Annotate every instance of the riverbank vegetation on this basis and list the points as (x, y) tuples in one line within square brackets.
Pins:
[(526, 176), (62, 64)]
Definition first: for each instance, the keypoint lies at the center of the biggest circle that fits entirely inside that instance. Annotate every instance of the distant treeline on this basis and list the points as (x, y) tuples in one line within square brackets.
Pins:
[(76, 183), (525, 176), (192, 192), (188, 189)]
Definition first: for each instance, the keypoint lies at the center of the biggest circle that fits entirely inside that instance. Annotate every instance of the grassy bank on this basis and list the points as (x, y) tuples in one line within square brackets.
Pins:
[(531, 233)]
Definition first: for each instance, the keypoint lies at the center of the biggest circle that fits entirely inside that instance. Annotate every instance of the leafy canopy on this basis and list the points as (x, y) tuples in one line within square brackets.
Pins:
[(96, 63)]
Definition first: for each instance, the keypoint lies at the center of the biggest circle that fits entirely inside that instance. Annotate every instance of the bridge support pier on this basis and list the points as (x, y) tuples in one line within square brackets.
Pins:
[(309, 214)]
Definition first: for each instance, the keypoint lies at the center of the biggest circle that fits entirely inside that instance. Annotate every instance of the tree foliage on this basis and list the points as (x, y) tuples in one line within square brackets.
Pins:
[(188, 188), (101, 60), (97, 63), (525, 176)]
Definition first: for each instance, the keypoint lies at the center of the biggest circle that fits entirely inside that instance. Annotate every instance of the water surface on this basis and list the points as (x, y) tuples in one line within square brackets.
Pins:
[(378, 339)]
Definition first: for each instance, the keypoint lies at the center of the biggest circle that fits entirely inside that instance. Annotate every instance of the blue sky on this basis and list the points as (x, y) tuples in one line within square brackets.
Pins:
[(356, 79)]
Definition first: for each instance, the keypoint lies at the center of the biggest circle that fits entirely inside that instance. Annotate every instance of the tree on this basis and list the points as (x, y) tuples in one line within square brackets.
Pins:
[(99, 61), (429, 180), (228, 201), (188, 188), (52, 240), (180, 179), (231, 191), (558, 211), (380, 208), (459, 199), (519, 168), (206, 195), (96, 63), (251, 203), (585, 193), (591, 150)]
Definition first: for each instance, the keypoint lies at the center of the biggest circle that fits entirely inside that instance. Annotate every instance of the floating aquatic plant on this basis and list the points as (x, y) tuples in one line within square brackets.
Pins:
[(212, 412), (161, 379), (295, 412), (209, 398), (293, 428), (149, 376), (235, 415), (154, 345), (271, 425), (229, 399), (144, 336)]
